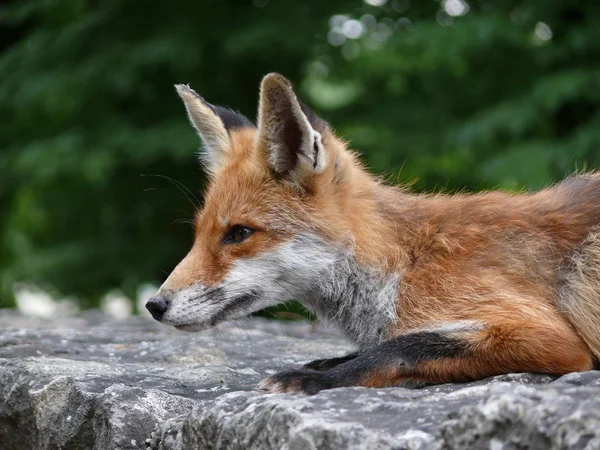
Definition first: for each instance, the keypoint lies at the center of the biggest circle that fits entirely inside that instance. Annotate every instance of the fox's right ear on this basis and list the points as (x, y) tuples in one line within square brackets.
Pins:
[(213, 124), (290, 133)]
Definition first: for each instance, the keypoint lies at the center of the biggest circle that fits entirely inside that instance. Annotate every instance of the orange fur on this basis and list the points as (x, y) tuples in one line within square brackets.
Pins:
[(493, 257)]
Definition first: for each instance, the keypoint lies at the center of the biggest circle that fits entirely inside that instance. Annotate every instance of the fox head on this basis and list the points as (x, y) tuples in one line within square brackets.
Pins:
[(276, 214)]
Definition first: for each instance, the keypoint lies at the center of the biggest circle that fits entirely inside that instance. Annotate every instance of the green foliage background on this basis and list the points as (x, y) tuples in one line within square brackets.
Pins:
[(504, 94)]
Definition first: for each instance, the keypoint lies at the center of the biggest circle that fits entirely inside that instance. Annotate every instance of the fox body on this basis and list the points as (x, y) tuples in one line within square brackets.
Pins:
[(431, 288)]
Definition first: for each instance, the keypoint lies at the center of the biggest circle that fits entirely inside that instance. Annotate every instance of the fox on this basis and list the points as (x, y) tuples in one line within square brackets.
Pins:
[(430, 287)]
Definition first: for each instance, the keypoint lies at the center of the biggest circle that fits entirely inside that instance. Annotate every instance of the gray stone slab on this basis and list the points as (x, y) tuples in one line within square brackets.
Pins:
[(93, 382)]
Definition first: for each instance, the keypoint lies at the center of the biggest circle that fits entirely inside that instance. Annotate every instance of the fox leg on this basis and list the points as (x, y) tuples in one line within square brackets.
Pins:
[(451, 352), (329, 363)]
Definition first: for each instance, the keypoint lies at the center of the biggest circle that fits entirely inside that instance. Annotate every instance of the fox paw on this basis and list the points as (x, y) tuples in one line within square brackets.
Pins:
[(302, 381)]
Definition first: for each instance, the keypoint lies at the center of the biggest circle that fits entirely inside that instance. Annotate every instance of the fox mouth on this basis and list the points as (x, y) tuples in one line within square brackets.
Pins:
[(191, 327), (237, 308)]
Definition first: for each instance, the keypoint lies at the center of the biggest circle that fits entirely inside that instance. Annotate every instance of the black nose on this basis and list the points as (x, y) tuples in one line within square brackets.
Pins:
[(157, 306)]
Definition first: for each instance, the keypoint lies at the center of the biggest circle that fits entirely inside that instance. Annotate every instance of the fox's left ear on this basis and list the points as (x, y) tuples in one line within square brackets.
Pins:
[(213, 124), (289, 131)]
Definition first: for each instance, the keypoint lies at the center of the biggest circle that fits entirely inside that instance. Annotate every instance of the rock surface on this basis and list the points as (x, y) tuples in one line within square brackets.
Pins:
[(92, 382)]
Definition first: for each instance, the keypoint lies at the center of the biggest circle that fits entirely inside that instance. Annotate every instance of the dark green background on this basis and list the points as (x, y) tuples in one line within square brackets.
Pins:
[(504, 96)]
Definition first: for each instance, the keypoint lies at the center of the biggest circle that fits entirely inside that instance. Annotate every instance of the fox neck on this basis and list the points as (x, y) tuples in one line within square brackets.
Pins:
[(374, 220), (360, 302), (359, 289)]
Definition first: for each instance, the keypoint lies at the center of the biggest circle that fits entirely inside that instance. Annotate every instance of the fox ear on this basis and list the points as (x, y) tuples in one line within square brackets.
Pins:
[(213, 124), (289, 131)]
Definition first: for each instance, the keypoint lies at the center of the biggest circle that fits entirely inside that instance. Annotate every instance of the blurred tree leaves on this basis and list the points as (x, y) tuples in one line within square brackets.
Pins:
[(444, 94), (506, 95)]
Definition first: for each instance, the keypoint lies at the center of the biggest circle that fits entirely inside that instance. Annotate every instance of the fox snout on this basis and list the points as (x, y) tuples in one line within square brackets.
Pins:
[(294, 269), (198, 307)]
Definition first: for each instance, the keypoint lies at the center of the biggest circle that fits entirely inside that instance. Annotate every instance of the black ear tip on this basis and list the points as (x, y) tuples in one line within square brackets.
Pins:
[(275, 76), (232, 119), (275, 80), (182, 88), (185, 89)]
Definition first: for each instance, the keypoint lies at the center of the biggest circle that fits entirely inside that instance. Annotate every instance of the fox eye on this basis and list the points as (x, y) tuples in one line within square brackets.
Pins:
[(237, 234)]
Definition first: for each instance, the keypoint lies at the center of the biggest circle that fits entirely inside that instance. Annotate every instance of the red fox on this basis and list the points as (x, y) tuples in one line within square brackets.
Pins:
[(431, 288)]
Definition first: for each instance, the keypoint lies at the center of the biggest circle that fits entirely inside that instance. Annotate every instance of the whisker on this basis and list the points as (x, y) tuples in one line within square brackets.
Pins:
[(184, 221), (182, 187)]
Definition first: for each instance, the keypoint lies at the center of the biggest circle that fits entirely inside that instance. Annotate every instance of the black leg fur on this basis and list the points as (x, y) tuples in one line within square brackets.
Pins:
[(404, 352), (329, 363)]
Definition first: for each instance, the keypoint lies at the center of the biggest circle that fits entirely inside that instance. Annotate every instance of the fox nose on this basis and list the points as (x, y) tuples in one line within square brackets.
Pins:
[(157, 306)]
